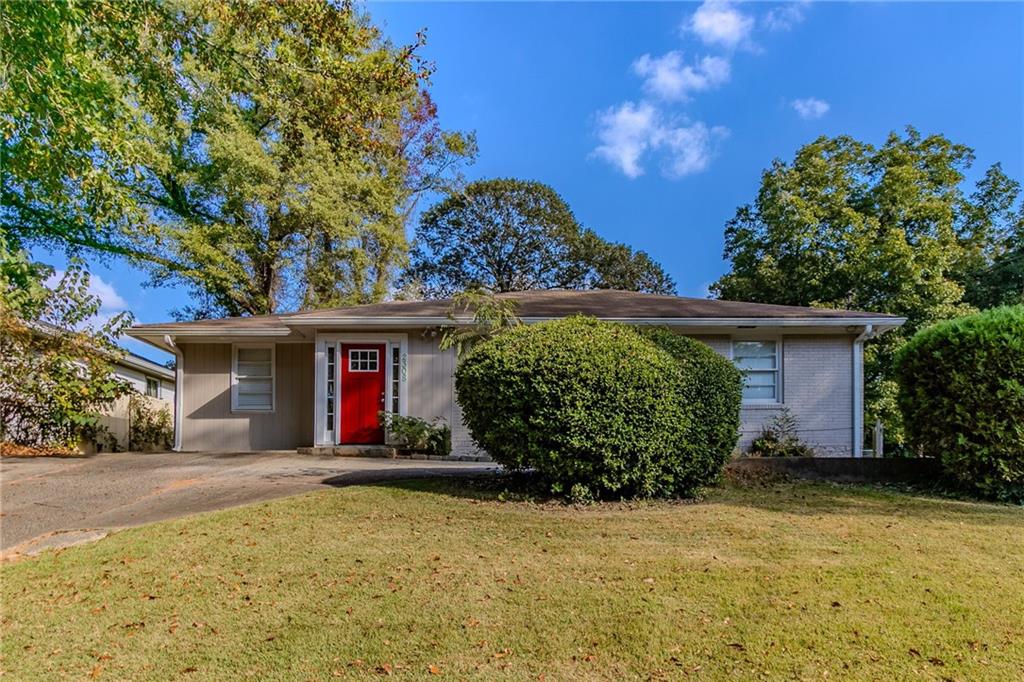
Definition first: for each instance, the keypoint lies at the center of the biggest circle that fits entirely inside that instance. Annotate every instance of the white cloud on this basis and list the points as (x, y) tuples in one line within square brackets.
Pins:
[(668, 78), (717, 22), (110, 300), (625, 133), (784, 17), (631, 131), (810, 108), (689, 148)]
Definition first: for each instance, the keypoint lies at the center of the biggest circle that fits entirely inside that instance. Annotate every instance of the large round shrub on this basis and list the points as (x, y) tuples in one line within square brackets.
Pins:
[(962, 398), (712, 388), (595, 408)]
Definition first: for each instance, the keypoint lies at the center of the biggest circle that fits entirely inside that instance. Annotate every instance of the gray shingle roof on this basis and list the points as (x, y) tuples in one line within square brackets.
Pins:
[(602, 303)]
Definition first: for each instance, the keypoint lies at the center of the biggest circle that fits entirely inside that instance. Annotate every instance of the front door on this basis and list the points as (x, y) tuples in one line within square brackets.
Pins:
[(362, 392)]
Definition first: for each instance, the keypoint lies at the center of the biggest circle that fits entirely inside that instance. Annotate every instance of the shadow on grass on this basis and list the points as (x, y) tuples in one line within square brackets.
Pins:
[(804, 498)]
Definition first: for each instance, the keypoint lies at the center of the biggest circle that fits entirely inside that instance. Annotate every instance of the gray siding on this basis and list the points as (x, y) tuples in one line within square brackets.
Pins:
[(817, 387), (432, 389), (207, 420)]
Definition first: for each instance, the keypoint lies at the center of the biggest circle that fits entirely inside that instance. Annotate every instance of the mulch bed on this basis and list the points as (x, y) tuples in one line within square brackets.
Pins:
[(14, 450)]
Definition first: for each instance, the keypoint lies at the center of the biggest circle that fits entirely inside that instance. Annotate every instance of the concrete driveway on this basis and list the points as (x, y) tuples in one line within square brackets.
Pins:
[(49, 502)]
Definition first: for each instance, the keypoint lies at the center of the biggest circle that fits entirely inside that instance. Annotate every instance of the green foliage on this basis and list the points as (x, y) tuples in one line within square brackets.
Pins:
[(712, 388), (149, 428), (21, 281), (886, 229), (412, 433), (512, 235), (490, 315), (780, 437), (595, 408), (55, 373), (265, 155), (962, 397), (69, 136)]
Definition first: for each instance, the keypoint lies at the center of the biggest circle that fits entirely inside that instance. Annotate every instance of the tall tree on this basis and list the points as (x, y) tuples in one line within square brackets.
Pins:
[(886, 229), (266, 154), (512, 235)]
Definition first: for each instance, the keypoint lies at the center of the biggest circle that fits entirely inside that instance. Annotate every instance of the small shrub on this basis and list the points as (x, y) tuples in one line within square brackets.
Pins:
[(595, 408), (962, 398), (148, 428), (413, 433), (780, 438)]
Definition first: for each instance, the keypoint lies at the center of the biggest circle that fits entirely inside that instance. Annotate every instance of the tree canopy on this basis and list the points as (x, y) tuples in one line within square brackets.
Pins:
[(512, 235), (265, 155), (887, 229)]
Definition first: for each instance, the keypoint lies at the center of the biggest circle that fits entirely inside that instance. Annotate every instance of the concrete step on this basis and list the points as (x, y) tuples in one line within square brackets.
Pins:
[(385, 451)]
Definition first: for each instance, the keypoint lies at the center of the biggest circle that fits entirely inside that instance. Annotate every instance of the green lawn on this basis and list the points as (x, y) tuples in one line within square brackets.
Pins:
[(789, 581)]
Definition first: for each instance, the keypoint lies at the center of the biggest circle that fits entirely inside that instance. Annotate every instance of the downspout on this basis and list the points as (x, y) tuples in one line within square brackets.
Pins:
[(858, 389), (179, 389)]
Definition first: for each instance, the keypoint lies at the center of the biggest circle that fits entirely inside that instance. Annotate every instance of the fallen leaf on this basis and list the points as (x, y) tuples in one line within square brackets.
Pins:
[(434, 670)]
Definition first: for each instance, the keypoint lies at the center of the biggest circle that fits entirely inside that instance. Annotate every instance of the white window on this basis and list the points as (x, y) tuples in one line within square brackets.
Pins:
[(759, 361), (362, 360), (152, 387), (253, 379)]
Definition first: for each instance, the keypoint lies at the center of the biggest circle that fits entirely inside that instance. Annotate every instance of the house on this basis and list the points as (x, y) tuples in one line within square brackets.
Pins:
[(319, 378), (147, 378)]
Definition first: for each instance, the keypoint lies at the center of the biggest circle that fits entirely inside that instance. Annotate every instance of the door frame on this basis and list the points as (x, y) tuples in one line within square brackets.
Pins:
[(326, 434)]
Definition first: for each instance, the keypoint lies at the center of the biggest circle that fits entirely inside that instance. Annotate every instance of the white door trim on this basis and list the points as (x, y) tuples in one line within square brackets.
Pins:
[(321, 432)]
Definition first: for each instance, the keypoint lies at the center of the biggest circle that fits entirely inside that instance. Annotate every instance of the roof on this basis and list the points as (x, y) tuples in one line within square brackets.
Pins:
[(532, 306), (136, 361), (126, 358)]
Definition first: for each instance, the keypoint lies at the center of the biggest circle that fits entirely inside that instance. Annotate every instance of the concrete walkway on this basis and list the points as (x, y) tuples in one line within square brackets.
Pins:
[(49, 502)]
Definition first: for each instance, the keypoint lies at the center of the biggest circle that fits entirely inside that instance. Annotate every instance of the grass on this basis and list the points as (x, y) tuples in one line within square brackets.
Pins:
[(784, 581)]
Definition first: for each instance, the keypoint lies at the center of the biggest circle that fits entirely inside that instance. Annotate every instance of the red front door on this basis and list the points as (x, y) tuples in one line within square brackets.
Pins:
[(362, 392)]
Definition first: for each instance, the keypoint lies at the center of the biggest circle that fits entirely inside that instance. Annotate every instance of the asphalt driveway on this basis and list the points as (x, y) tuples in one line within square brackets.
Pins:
[(49, 502)]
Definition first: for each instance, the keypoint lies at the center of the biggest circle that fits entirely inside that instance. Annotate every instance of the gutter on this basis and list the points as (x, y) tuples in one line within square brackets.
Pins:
[(858, 388), (179, 389), (431, 321)]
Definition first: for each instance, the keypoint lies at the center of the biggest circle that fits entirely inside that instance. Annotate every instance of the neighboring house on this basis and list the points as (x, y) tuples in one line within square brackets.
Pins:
[(319, 378), (149, 379), (145, 376)]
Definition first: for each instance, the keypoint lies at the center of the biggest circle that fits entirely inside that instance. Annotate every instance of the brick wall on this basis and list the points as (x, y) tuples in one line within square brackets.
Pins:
[(817, 387)]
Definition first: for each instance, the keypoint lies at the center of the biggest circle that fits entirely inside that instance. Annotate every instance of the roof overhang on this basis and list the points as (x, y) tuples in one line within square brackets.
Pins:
[(301, 328)]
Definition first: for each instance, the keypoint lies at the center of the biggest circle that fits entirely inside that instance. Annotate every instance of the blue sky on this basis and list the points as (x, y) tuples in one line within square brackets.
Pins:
[(654, 121)]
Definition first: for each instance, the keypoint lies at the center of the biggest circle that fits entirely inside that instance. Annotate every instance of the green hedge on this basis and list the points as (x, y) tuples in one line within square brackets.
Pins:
[(962, 397), (597, 409), (712, 388)]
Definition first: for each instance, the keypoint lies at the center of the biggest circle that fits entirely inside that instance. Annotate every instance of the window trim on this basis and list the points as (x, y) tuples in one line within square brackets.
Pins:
[(234, 378), (156, 391), (375, 357), (779, 398)]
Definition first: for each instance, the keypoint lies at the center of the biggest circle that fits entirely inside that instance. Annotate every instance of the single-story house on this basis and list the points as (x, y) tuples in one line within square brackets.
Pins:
[(319, 378), (147, 378)]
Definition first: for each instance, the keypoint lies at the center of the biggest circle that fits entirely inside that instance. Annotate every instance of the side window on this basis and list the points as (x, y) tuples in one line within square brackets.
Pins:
[(152, 387), (253, 374), (759, 361)]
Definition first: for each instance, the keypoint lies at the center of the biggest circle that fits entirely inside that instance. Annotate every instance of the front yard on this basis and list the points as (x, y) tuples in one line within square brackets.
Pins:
[(789, 581)]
